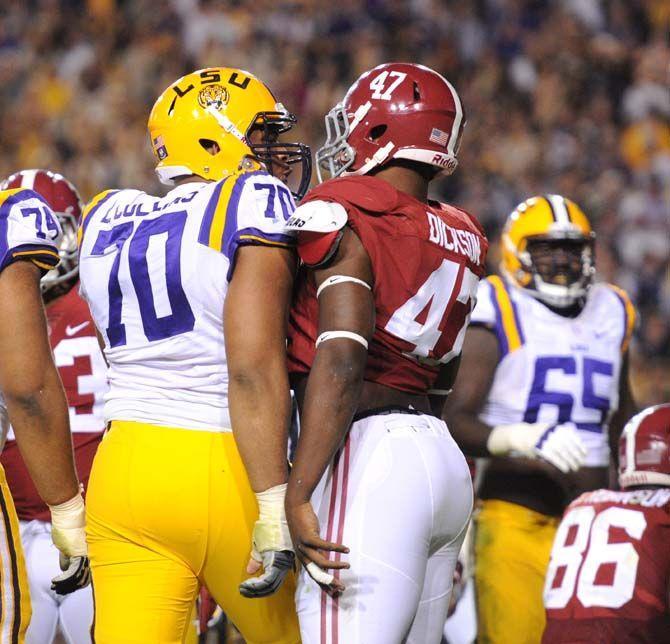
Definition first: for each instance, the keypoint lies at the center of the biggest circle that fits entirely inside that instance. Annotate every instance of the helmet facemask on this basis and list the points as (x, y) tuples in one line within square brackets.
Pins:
[(68, 269), (336, 155), (557, 269), (279, 158)]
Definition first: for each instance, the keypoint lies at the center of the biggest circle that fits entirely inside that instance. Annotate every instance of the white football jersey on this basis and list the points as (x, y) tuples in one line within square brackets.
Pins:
[(28, 231), (155, 271), (553, 368)]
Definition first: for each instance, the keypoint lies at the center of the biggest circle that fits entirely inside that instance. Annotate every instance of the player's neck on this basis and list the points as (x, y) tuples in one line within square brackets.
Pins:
[(408, 180), (571, 311)]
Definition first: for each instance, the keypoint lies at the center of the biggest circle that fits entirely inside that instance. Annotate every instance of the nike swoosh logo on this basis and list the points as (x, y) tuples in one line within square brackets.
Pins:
[(73, 330)]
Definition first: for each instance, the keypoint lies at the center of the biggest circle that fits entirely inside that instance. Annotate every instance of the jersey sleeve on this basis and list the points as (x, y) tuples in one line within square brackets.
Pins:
[(319, 225), (29, 230), (484, 312), (251, 209), (629, 316), (496, 311)]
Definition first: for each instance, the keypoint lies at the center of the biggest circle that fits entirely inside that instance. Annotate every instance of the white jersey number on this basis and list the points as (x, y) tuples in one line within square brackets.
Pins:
[(435, 294), (590, 537)]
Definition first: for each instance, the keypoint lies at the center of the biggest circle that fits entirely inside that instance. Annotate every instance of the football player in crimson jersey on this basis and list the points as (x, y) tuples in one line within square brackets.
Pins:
[(546, 396), (36, 406), (609, 576), (83, 371), (381, 305)]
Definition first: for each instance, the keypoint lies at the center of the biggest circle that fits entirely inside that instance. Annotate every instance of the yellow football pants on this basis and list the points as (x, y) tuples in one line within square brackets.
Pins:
[(512, 550), (167, 510), (14, 590)]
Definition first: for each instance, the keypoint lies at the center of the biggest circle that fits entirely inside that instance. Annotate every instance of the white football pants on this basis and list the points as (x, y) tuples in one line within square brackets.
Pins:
[(399, 495), (73, 612)]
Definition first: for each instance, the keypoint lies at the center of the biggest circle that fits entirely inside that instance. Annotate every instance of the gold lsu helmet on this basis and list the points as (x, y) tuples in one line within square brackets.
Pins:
[(222, 105), (556, 220)]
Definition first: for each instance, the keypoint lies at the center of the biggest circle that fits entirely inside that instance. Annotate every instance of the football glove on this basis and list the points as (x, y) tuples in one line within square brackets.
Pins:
[(559, 445), (271, 544), (68, 534)]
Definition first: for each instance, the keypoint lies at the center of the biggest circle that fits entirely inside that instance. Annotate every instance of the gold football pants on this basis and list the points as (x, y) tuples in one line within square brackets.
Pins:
[(168, 510), (512, 550), (14, 589)]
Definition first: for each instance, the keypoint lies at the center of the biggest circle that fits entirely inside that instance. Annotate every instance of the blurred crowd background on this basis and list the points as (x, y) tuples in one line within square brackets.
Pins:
[(566, 96)]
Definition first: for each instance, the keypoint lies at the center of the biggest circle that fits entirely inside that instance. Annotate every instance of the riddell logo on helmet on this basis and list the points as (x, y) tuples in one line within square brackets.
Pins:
[(444, 161)]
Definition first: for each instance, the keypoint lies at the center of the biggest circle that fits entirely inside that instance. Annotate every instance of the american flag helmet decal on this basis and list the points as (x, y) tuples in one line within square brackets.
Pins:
[(439, 137)]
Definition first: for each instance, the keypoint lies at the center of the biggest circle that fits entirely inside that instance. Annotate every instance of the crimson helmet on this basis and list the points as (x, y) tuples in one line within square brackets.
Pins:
[(644, 448), (394, 111), (66, 204)]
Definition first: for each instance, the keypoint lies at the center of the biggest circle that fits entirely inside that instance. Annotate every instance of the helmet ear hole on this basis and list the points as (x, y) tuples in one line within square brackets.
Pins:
[(210, 146), (417, 92), (376, 132)]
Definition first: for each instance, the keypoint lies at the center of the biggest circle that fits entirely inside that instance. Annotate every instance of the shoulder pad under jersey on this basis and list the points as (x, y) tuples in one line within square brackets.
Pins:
[(628, 311), (91, 208), (468, 218), (318, 217), (368, 193)]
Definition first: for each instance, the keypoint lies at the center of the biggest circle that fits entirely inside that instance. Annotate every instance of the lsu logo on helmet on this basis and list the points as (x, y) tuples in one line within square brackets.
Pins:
[(215, 96)]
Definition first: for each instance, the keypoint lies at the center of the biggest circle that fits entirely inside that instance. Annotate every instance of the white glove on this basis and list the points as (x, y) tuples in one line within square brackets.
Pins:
[(271, 544), (68, 534), (559, 445)]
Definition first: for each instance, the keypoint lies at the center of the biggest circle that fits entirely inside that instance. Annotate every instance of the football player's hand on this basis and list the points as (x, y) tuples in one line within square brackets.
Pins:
[(310, 548), (457, 588), (271, 548), (559, 445), (69, 536)]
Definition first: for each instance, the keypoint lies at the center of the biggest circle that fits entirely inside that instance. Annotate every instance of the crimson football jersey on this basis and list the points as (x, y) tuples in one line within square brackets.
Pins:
[(427, 259), (609, 574), (83, 370)]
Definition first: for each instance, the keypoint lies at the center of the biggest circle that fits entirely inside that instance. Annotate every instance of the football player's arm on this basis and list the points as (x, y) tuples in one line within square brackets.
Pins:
[(39, 414), (479, 359), (558, 445), (331, 397), (255, 325), (443, 385), (627, 408), (31, 385)]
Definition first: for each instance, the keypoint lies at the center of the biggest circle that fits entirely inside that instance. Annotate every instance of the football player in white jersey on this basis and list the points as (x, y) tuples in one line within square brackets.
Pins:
[(83, 372), (171, 501), (546, 395), (32, 399)]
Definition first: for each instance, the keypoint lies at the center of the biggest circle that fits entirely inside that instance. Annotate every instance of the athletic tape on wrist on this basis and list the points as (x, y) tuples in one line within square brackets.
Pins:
[(340, 279), (348, 335)]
